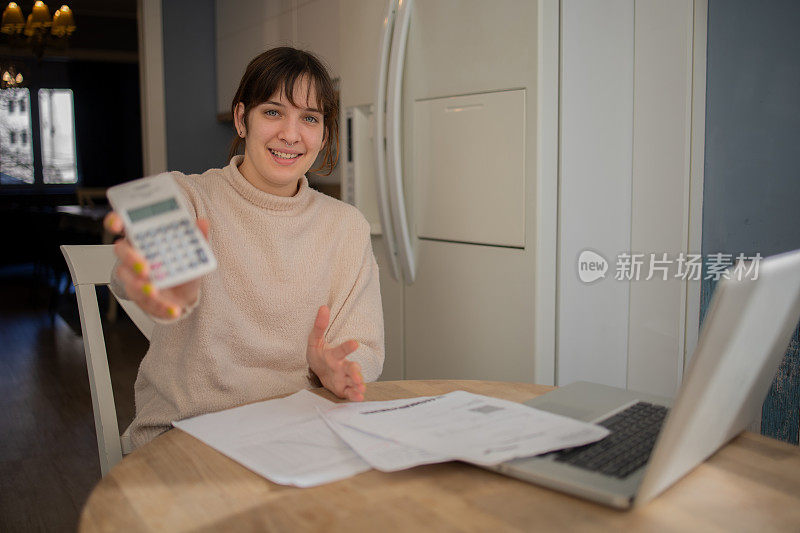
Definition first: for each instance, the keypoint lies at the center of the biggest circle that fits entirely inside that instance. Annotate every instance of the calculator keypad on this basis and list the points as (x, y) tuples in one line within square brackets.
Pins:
[(171, 249)]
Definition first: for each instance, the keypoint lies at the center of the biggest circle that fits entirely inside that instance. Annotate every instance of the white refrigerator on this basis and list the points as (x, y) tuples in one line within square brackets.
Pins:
[(450, 150)]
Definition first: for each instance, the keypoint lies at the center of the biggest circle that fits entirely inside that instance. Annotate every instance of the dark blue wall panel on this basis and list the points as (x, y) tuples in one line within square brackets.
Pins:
[(195, 140), (751, 196)]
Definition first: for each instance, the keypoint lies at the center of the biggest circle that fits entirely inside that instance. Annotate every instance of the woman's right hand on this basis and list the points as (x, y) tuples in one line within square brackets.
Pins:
[(134, 273)]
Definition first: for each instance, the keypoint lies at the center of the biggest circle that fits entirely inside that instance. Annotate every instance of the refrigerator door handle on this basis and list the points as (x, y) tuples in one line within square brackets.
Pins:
[(379, 142), (393, 137)]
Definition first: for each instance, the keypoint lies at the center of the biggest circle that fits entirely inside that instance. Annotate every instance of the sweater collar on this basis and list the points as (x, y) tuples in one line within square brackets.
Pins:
[(263, 199)]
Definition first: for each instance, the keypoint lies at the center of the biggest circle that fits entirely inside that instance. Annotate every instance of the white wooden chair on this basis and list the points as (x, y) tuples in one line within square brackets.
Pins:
[(90, 266)]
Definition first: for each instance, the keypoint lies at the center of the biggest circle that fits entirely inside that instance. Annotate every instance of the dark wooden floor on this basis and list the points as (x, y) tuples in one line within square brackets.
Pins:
[(48, 451)]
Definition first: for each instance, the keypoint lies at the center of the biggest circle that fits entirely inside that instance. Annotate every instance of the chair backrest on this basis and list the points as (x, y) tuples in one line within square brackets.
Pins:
[(89, 266)]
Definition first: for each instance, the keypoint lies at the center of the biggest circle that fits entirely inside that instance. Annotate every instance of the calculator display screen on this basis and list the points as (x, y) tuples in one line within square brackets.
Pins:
[(147, 211)]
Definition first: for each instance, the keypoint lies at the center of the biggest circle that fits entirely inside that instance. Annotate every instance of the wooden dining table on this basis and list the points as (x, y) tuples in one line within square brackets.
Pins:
[(177, 483)]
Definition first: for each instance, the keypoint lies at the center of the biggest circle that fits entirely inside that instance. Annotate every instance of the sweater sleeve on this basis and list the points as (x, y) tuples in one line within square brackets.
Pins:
[(361, 316)]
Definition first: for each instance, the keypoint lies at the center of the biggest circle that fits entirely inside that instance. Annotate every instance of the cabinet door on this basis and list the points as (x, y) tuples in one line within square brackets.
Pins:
[(318, 31), (244, 29), (469, 168), (460, 47), (360, 24), (469, 314)]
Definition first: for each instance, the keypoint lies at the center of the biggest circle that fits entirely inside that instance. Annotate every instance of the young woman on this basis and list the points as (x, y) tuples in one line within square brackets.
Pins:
[(295, 300)]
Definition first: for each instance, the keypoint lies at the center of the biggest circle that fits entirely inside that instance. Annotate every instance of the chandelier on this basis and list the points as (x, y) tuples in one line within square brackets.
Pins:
[(38, 31), (11, 78)]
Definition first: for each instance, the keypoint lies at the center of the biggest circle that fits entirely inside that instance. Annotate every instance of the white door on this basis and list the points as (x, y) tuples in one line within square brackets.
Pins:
[(632, 86)]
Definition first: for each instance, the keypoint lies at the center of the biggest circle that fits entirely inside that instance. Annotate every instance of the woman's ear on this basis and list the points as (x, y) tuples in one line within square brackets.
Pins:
[(238, 121)]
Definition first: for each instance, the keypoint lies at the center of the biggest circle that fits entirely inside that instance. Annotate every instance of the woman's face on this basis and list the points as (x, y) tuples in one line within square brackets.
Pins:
[(282, 141)]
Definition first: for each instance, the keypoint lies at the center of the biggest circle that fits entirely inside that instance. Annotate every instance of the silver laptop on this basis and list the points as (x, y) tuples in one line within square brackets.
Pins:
[(745, 334)]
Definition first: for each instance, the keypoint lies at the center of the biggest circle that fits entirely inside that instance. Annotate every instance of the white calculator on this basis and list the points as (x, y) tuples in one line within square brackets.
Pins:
[(161, 227)]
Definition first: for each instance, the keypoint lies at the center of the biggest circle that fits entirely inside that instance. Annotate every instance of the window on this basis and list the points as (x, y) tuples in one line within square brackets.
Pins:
[(16, 159), (57, 131), (55, 149)]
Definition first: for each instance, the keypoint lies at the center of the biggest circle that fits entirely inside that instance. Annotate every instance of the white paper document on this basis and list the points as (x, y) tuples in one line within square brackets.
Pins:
[(382, 454), (284, 440), (461, 425), (305, 440)]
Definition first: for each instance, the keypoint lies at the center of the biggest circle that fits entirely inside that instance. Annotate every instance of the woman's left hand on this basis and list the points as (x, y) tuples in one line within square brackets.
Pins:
[(339, 375)]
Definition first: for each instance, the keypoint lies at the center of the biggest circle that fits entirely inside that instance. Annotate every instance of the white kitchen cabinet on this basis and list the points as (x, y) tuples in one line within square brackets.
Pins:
[(245, 28)]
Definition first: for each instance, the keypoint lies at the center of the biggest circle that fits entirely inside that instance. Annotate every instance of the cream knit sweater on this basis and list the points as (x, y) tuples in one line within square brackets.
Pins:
[(279, 260)]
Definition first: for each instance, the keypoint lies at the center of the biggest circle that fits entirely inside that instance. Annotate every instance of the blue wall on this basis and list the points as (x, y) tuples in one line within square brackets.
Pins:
[(751, 196), (195, 140)]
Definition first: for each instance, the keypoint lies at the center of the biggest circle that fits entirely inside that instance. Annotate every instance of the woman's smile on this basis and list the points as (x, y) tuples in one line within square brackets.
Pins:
[(284, 157)]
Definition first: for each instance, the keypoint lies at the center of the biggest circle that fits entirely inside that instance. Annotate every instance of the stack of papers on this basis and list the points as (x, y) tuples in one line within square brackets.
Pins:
[(284, 440), (305, 440)]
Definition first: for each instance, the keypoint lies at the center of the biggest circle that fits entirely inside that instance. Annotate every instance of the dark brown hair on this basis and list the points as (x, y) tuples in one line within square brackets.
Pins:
[(281, 69)]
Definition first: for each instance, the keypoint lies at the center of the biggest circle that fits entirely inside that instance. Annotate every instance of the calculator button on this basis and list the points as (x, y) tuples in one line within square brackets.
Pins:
[(172, 249)]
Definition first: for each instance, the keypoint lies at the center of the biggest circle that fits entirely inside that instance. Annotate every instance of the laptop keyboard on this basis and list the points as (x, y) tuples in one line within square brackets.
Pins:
[(627, 448)]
